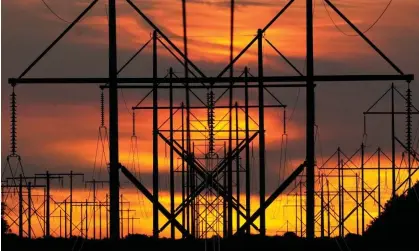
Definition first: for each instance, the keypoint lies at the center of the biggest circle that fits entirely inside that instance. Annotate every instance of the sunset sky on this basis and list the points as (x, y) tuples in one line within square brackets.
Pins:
[(58, 125)]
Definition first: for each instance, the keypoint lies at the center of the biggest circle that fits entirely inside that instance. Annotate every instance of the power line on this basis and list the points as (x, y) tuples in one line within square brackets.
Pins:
[(379, 18), (125, 102), (54, 13), (366, 30)]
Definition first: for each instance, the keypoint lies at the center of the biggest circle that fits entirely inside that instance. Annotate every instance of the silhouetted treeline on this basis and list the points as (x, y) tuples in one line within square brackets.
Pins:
[(398, 224)]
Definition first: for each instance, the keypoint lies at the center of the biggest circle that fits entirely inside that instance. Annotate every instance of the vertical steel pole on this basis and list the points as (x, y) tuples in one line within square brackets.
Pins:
[(224, 200), (261, 135), (322, 208), (247, 149), (155, 142), (71, 204), (328, 208), (237, 166), (81, 219), (87, 220), (172, 170), (357, 203), (65, 219), (94, 209), (122, 216), (128, 228), (107, 216), (339, 194), (113, 125), (194, 214), (47, 213), (100, 220), (296, 213), (187, 101), (29, 210), (230, 166), (132, 224), (409, 133), (379, 181), (342, 176), (301, 208), (362, 190), (60, 225), (183, 167), (310, 120), (20, 206), (45, 209), (393, 145), (230, 130)]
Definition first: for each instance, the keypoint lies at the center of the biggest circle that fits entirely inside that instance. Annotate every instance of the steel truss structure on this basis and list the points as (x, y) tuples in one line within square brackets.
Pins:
[(208, 196)]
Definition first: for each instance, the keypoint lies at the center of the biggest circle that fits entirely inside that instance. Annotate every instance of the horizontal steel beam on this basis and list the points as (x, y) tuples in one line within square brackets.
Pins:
[(265, 85), (200, 80), (204, 107), (389, 113)]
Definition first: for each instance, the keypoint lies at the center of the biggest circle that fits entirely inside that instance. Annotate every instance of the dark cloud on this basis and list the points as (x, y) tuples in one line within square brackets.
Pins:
[(339, 106)]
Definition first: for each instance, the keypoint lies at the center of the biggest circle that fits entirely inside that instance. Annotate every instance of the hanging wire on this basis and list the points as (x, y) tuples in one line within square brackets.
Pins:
[(134, 153), (102, 139), (125, 102), (365, 134), (54, 13), (366, 30)]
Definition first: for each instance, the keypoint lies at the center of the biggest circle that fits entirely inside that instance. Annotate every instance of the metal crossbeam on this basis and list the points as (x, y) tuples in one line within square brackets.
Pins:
[(200, 80)]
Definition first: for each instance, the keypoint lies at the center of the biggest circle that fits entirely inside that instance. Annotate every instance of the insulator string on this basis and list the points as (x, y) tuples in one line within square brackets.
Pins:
[(13, 145), (102, 109)]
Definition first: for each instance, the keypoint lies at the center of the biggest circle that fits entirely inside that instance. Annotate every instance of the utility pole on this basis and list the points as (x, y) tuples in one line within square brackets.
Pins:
[(409, 133), (29, 185), (393, 145), (81, 220), (225, 211), (230, 130), (29, 210), (155, 141), (48, 177), (71, 175), (247, 149), (321, 207), (94, 183), (107, 216), (20, 207), (100, 220), (184, 194), (60, 224), (362, 191), (262, 181), (379, 180), (65, 219), (310, 120), (87, 220), (172, 169), (328, 208), (48, 215), (301, 208), (113, 125), (237, 166), (342, 177), (340, 193), (357, 203)]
